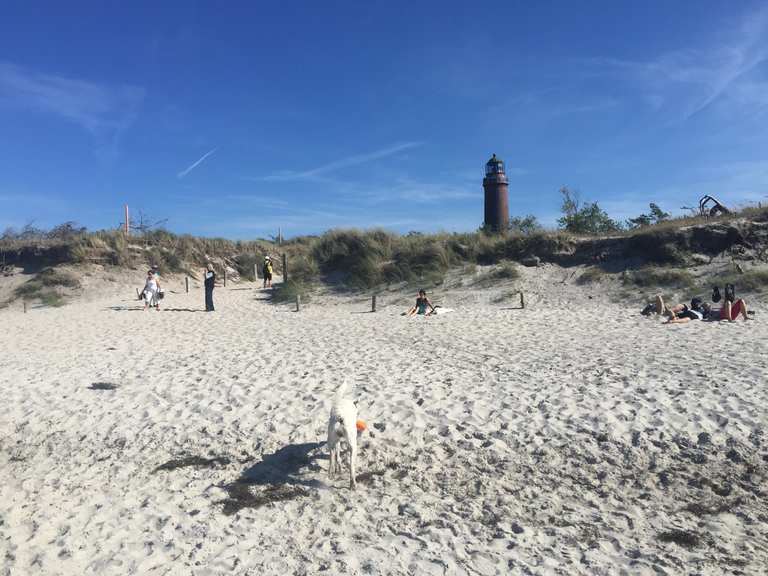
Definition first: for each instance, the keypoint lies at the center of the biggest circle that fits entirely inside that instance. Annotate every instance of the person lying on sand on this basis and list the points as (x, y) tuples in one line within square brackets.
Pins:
[(422, 302), (729, 311), (659, 307)]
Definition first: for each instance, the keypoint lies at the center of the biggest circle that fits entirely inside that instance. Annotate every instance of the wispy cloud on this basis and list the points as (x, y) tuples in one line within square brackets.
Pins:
[(316, 173), (95, 107), (689, 81), (195, 164), (414, 191)]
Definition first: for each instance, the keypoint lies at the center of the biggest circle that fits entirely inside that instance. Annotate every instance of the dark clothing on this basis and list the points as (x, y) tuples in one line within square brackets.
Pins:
[(421, 305), (210, 281), (691, 313)]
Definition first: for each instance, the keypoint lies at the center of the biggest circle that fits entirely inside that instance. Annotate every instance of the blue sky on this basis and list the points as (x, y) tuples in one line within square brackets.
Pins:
[(231, 119)]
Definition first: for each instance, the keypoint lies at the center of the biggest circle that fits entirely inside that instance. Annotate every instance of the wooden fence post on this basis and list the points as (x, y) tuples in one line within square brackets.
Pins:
[(186, 283), (225, 276), (25, 306), (373, 303), (285, 268), (522, 300), (298, 302), (255, 272)]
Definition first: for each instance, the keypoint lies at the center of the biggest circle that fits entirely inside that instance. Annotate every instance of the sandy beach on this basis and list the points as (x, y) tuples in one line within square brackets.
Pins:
[(571, 437)]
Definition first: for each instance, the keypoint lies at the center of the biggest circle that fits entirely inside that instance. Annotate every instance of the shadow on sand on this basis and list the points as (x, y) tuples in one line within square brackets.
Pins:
[(125, 308), (276, 478), (141, 308)]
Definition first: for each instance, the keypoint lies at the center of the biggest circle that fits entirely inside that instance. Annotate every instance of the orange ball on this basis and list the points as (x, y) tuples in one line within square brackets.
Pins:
[(360, 426)]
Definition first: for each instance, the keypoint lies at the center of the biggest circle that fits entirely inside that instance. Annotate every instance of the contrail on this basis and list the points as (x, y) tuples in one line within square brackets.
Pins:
[(195, 164), (343, 163)]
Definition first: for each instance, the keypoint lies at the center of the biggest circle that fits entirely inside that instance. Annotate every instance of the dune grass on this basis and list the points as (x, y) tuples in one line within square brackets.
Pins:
[(590, 276), (362, 260), (46, 286), (652, 277), (747, 281), (505, 270)]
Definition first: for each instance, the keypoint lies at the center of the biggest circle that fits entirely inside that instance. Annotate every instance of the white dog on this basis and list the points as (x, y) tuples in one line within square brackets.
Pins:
[(342, 425)]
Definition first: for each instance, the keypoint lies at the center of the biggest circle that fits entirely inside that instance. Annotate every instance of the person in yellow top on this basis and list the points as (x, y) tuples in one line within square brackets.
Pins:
[(267, 272)]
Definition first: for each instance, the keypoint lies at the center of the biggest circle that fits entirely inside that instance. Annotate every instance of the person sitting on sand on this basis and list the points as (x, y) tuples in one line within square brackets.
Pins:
[(422, 302), (151, 290), (729, 311)]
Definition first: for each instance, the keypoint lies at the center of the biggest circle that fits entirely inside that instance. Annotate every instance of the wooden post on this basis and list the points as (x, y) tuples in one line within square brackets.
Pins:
[(225, 276), (298, 302), (127, 222), (522, 300), (25, 306), (373, 303), (186, 283), (285, 268), (255, 272)]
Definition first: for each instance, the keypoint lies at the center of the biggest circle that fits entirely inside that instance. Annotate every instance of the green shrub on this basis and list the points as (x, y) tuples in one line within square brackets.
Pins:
[(653, 277), (287, 292), (53, 277), (504, 271), (357, 256), (590, 275), (749, 281), (303, 269), (52, 298), (248, 263), (505, 296), (43, 285), (420, 259), (30, 290)]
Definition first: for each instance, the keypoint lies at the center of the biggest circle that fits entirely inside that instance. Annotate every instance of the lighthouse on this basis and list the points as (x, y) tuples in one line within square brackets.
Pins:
[(496, 189)]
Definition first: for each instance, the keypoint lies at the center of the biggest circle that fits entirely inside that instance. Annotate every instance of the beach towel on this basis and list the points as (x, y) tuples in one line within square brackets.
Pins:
[(441, 310)]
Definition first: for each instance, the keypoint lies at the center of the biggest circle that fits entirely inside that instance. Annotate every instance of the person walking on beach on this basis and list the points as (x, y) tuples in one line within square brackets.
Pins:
[(151, 290), (209, 282), (267, 272)]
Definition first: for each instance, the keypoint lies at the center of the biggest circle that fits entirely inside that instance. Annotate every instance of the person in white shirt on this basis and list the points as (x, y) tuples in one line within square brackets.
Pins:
[(151, 289)]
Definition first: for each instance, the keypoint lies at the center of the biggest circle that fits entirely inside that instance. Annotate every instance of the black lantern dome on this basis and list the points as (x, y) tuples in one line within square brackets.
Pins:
[(494, 166)]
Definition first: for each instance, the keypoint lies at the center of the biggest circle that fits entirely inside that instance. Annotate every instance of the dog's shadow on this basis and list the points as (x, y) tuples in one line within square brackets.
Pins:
[(279, 477), (285, 466)]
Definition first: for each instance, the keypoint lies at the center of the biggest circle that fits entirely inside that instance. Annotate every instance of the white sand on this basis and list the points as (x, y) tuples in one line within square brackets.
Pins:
[(560, 439)]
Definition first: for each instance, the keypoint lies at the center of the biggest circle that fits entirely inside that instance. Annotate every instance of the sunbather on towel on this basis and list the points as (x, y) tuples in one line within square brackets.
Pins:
[(422, 303)]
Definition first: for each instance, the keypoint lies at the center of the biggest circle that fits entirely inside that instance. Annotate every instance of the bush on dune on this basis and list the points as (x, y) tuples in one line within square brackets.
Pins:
[(748, 281), (590, 275), (504, 271), (654, 277), (44, 287)]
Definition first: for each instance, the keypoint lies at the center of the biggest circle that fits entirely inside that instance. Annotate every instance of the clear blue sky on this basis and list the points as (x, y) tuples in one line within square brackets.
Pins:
[(234, 118)]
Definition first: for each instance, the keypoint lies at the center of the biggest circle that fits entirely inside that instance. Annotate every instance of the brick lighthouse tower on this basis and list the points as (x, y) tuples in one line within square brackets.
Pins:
[(496, 189)]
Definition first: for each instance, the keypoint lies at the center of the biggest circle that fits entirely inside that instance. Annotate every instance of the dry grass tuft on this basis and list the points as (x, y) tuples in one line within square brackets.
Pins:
[(651, 277), (590, 276)]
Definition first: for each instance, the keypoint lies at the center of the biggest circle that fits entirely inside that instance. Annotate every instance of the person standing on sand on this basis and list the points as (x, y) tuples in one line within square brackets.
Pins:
[(267, 272), (151, 289), (210, 280)]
